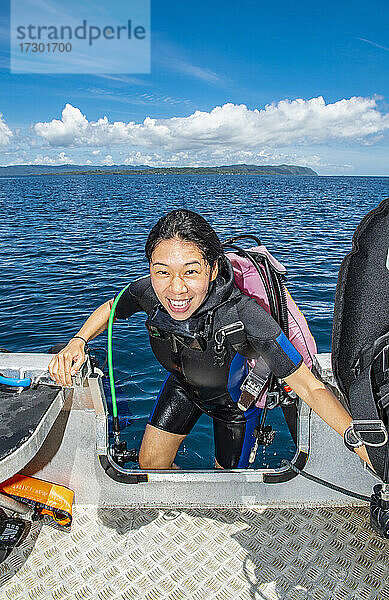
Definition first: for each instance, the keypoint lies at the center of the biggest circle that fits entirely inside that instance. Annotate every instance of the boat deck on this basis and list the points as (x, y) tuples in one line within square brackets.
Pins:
[(257, 541), (253, 554)]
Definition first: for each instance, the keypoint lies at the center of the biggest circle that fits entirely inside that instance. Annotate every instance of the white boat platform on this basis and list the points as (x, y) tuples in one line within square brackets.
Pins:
[(195, 534)]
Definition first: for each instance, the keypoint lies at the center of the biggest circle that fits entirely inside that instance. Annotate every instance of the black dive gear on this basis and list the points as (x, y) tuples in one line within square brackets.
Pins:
[(379, 510), (360, 347), (12, 533), (160, 325)]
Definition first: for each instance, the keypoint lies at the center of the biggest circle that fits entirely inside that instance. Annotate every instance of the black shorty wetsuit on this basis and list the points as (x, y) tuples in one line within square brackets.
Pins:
[(196, 383)]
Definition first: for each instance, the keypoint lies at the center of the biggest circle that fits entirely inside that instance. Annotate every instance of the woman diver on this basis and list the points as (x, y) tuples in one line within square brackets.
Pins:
[(188, 296)]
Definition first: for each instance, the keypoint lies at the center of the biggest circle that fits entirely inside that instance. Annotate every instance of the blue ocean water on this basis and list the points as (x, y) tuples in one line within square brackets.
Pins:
[(68, 243)]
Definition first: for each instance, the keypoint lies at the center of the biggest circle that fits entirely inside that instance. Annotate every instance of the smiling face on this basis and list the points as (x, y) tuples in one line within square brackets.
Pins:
[(180, 277)]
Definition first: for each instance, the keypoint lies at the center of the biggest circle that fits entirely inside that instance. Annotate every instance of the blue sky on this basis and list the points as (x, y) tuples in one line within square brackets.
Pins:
[(230, 82)]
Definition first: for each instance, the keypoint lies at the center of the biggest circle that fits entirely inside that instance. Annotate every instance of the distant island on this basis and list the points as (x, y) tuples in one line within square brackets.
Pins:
[(146, 170)]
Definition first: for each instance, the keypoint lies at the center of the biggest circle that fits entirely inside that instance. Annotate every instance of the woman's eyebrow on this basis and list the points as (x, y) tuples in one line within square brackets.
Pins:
[(193, 262)]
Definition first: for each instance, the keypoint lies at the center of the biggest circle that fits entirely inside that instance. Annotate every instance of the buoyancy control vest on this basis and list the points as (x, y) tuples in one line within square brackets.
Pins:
[(360, 337), (261, 276)]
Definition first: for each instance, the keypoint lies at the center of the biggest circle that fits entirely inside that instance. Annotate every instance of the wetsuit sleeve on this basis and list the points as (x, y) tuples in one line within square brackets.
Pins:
[(138, 297), (266, 337)]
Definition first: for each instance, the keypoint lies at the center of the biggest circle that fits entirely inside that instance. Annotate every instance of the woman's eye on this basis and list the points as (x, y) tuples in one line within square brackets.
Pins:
[(191, 272), (162, 273)]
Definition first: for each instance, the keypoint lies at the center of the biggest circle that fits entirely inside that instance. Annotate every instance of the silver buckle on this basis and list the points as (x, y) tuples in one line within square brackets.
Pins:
[(370, 427), (253, 384)]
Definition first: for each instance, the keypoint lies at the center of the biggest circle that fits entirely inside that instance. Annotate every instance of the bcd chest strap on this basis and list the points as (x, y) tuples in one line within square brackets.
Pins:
[(230, 327), (227, 326)]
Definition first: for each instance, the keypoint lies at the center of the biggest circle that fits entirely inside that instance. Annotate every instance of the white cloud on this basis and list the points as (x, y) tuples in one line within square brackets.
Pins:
[(137, 98), (5, 132), (65, 132), (231, 127), (60, 159), (123, 79), (138, 158), (222, 156), (108, 161), (194, 71), (172, 57), (374, 44)]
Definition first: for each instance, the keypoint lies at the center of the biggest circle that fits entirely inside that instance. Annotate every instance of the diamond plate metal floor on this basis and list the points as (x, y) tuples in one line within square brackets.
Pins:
[(253, 554)]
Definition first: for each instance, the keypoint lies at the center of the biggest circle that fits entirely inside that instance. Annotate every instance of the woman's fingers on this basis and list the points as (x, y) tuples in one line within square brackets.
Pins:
[(66, 363), (59, 370), (78, 362), (53, 368)]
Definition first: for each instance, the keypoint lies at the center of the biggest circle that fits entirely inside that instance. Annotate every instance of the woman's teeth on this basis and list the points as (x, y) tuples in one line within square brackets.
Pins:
[(179, 303)]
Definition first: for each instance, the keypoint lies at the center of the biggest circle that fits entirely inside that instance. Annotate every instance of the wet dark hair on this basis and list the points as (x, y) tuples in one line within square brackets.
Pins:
[(188, 226)]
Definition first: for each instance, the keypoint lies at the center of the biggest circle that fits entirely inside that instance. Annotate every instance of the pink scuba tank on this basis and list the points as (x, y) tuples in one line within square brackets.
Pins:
[(249, 282)]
